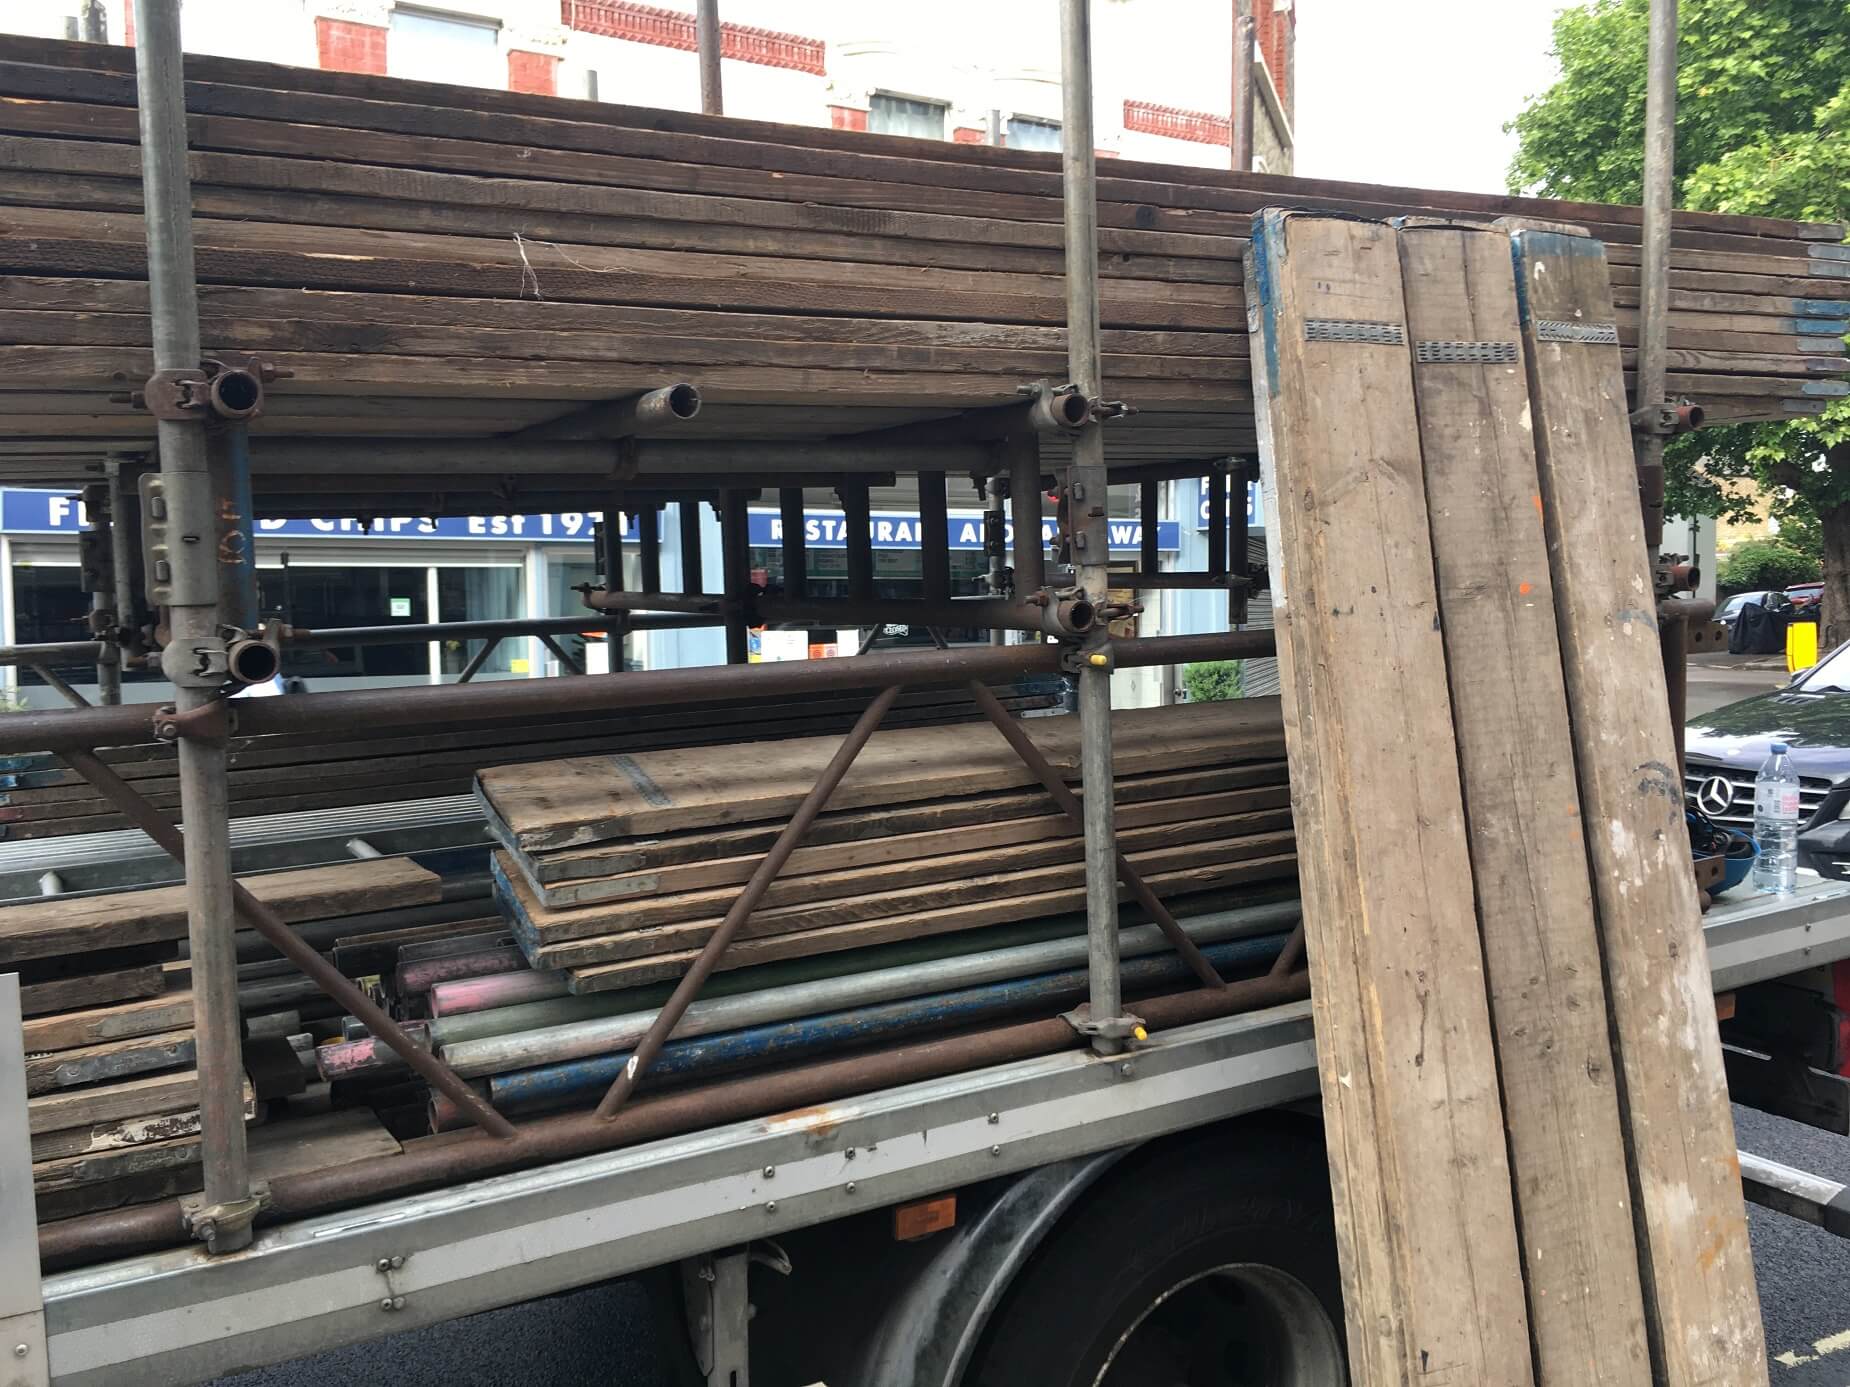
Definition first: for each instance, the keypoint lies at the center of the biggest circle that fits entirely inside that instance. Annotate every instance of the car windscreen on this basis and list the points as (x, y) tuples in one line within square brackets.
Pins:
[(1829, 675)]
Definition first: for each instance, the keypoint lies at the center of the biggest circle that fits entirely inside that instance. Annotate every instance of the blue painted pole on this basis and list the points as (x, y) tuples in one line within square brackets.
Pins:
[(573, 1082)]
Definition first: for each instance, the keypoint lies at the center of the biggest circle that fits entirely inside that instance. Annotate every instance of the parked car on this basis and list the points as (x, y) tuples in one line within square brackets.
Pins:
[(1731, 609), (1811, 714), (1805, 595)]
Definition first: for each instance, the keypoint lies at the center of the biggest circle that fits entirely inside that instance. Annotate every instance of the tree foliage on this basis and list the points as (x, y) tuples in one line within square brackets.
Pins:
[(1212, 681), (1762, 564), (1763, 128)]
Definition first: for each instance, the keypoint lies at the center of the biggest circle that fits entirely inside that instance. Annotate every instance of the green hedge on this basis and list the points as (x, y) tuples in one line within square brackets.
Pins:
[(1764, 564), (1212, 681)]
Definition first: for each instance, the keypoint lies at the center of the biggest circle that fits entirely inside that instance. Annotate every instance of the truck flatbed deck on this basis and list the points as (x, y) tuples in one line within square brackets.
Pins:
[(184, 1315)]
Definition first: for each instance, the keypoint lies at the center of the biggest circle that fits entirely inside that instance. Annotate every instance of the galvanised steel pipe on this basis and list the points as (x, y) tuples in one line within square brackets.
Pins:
[(702, 967), (559, 1027), (573, 1082), (290, 945), (474, 1155), (422, 974), (442, 705), (52, 653), (192, 600), (499, 990), (1050, 616), (1070, 805), (1243, 104), (650, 412), (581, 1039), (1660, 148), (1088, 495), (1029, 551), (307, 639), (709, 41)]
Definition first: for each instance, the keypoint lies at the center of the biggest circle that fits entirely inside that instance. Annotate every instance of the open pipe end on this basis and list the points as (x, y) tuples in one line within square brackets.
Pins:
[(672, 404), (1076, 616), (252, 662), (236, 394)]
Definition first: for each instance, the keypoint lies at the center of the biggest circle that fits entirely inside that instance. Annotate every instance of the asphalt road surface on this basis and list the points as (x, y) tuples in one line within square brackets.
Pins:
[(1716, 680), (604, 1336)]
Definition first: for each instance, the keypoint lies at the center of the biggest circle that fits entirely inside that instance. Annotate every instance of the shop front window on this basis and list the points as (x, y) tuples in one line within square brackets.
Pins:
[(327, 598), (480, 594), (564, 576)]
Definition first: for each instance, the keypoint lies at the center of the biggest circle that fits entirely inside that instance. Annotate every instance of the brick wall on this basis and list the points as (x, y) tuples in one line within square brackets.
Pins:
[(535, 73), (342, 46), (1276, 31), (745, 43), (848, 117)]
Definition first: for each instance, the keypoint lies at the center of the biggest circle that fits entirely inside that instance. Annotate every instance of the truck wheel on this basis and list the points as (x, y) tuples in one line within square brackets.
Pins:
[(1210, 1264)]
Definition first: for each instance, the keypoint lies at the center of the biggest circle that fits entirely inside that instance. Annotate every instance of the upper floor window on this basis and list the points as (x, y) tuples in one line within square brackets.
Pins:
[(430, 47), (901, 115), (1025, 132)]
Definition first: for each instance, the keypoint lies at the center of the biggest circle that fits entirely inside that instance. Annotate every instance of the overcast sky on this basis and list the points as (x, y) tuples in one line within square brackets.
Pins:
[(1417, 92)]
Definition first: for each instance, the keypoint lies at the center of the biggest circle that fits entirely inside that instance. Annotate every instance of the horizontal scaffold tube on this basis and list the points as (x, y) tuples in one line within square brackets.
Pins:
[(77, 729), (524, 1035), (473, 1155), (576, 1082)]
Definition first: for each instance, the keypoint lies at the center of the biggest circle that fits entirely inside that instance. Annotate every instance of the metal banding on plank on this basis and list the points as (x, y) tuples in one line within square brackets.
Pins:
[(1547, 330), (645, 786), (1353, 330), (1470, 353)]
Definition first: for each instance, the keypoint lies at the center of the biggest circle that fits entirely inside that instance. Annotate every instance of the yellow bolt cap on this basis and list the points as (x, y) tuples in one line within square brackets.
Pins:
[(1097, 661), (1139, 1033)]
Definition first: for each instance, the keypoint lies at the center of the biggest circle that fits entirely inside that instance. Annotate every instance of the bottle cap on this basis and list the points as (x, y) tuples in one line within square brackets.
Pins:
[(1780, 748)]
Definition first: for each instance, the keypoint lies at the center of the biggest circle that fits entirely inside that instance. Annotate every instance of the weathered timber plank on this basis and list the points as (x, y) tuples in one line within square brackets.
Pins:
[(37, 928), (1700, 1301), (132, 1098), (110, 1061), (1528, 858), (995, 889), (282, 80), (702, 846), (574, 802), (90, 989), (1002, 910), (993, 858), (805, 862), (1426, 1236), (167, 1011)]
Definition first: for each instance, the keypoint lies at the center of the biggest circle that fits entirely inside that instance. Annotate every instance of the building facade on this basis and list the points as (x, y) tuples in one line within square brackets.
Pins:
[(968, 71)]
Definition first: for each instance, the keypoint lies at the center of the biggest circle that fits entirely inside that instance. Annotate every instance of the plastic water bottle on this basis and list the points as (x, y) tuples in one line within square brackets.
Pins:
[(1776, 823)]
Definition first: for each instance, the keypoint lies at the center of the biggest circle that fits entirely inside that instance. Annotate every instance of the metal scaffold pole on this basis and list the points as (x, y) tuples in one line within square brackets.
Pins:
[(709, 39), (182, 555), (1242, 124), (1087, 501), (1660, 145)]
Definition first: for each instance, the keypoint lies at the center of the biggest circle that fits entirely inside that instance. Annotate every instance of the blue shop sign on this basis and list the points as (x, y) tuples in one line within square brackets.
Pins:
[(1255, 511), (25, 512)]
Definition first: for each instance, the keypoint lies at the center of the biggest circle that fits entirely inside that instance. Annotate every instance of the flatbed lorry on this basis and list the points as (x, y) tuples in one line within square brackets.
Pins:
[(1095, 1217)]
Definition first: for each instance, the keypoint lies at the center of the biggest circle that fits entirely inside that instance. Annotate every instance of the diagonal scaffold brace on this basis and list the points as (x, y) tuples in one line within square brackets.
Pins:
[(717, 943), (277, 933)]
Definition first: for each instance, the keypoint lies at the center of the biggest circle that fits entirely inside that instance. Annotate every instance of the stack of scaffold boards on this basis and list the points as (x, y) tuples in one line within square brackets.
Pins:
[(433, 260), (939, 844), (1530, 1141), (290, 773), (108, 1030)]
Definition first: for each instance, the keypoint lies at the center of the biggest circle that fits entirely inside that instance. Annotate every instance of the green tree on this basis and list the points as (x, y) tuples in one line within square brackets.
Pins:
[(1763, 128), (1762, 564)]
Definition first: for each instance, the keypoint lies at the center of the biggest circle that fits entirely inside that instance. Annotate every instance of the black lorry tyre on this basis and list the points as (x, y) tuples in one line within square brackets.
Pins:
[(1210, 1264)]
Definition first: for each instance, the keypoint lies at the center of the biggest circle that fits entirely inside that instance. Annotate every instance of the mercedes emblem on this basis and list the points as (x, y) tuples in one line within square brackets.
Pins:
[(1716, 795)]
